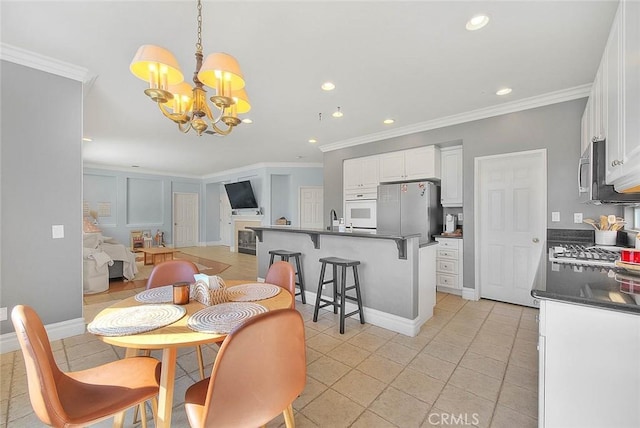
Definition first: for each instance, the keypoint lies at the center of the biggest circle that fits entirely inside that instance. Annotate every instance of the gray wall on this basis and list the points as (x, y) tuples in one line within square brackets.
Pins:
[(41, 186), (555, 127), (138, 201)]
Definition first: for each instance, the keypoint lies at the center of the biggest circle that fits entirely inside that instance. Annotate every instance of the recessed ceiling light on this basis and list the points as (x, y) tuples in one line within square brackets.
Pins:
[(328, 86), (388, 121), (503, 91), (86, 139), (313, 140), (337, 113), (477, 22), (247, 120), (135, 166)]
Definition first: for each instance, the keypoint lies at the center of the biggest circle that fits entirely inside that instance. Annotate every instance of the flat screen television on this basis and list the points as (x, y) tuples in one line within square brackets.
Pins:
[(241, 195)]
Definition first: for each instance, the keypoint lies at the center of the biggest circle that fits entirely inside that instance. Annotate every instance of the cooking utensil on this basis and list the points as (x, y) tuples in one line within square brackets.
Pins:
[(591, 222)]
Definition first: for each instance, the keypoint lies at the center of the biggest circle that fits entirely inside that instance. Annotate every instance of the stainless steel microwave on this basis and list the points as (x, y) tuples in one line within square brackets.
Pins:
[(592, 186)]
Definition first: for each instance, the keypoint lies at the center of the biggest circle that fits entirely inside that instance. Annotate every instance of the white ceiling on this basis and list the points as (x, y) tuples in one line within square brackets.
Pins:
[(412, 61)]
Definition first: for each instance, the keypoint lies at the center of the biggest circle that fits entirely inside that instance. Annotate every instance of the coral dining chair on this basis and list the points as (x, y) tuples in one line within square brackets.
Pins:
[(172, 271), (260, 369), (76, 399), (282, 274)]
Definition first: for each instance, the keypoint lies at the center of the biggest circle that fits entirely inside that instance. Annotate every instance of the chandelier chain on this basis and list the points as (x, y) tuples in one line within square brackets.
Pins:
[(199, 42)]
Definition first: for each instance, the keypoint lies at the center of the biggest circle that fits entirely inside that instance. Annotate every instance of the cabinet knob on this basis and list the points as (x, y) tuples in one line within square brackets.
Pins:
[(617, 162), (535, 240)]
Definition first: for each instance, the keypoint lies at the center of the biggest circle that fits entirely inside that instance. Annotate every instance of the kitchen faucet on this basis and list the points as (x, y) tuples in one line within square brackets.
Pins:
[(333, 215)]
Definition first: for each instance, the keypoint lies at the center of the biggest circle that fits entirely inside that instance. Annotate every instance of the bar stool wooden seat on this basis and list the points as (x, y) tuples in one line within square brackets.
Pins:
[(340, 289), (285, 255)]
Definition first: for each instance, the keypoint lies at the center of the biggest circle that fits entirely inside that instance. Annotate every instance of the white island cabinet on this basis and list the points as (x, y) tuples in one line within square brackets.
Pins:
[(589, 367)]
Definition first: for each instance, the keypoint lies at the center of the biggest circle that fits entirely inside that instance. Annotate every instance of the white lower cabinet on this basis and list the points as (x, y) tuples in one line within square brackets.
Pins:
[(589, 367), (449, 265)]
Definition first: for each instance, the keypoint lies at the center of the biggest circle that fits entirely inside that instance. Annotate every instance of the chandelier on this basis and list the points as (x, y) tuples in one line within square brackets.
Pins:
[(188, 106)]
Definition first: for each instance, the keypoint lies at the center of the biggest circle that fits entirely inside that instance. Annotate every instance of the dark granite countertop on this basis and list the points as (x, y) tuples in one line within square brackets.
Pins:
[(448, 236), (606, 288), (314, 234), (374, 235)]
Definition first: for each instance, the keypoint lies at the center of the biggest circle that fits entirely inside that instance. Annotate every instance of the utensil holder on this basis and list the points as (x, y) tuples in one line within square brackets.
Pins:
[(606, 237)]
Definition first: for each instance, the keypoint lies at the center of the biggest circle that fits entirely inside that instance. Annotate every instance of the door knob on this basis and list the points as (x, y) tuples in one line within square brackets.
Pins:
[(535, 240)]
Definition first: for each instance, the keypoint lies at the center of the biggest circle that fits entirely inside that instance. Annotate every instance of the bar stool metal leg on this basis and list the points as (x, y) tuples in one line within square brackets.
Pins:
[(300, 280), (343, 292), (319, 293), (358, 296)]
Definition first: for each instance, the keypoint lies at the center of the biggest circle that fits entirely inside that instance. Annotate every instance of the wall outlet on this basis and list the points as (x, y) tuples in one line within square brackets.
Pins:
[(3, 314), (577, 217), (460, 217), (555, 216)]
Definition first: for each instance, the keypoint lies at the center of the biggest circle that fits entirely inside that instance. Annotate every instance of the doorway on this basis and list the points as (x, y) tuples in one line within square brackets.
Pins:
[(185, 220), (310, 207), (510, 224)]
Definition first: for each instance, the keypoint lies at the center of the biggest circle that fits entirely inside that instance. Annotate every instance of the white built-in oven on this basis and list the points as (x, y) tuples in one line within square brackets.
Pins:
[(360, 214)]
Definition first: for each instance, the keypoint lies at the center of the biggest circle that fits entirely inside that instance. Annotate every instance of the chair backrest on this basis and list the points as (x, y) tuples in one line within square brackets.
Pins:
[(282, 274), (43, 375), (171, 271), (260, 369)]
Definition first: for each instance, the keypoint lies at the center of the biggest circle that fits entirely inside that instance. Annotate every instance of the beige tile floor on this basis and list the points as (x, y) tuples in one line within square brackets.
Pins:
[(472, 364)]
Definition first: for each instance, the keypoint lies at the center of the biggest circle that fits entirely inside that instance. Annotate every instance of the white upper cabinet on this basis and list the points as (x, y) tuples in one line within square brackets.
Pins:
[(361, 178), (414, 164), (628, 177), (613, 108), (451, 184)]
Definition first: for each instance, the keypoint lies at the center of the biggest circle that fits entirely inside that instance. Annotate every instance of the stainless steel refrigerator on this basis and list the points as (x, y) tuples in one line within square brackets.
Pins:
[(409, 208)]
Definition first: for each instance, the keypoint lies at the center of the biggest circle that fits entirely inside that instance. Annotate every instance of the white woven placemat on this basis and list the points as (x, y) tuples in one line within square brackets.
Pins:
[(252, 292), (224, 317), (136, 319)]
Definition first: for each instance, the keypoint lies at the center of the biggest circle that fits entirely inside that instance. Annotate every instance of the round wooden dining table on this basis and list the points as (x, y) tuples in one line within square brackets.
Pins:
[(172, 337)]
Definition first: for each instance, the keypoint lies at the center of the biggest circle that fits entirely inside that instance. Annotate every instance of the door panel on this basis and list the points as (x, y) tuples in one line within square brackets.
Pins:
[(311, 202), (185, 219), (510, 224)]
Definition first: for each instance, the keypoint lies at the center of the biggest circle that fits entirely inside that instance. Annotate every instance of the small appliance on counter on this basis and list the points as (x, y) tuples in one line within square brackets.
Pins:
[(450, 223)]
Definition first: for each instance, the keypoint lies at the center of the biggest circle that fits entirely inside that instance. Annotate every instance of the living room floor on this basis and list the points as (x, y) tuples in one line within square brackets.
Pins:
[(472, 364)]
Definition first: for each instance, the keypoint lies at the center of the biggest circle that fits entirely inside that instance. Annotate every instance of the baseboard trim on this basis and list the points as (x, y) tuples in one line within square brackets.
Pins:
[(378, 318), (55, 331), (449, 290), (470, 294)]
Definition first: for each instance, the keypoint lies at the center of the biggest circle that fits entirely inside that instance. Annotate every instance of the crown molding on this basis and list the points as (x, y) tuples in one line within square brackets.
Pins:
[(88, 165), (44, 63), (456, 119), (264, 165)]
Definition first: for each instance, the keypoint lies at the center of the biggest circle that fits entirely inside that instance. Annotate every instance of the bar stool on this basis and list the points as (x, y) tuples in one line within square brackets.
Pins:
[(284, 256), (339, 289)]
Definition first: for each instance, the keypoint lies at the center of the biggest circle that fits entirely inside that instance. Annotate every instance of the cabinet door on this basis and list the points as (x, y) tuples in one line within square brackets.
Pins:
[(631, 73), (392, 167), (585, 127), (451, 184), (613, 101), (422, 163), (370, 175), (352, 172)]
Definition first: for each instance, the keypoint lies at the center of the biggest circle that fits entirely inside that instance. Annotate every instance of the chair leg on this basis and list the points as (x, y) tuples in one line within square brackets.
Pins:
[(118, 420), (343, 293), (300, 280), (143, 413), (289, 421), (200, 361), (154, 410)]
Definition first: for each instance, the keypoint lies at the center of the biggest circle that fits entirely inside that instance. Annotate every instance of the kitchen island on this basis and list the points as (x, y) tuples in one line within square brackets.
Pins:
[(589, 346), (397, 275)]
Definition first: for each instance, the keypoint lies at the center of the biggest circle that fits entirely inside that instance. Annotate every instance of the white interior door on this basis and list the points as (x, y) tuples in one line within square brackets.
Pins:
[(185, 220), (225, 217), (510, 224), (310, 209)]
